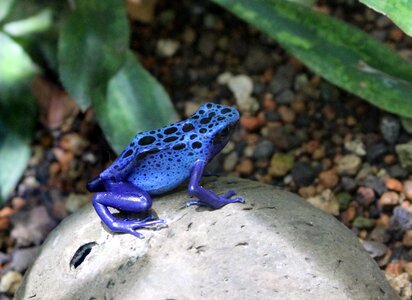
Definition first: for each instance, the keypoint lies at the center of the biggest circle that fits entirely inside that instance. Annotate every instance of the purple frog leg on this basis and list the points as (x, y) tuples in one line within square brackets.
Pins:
[(124, 197), (207, 197)]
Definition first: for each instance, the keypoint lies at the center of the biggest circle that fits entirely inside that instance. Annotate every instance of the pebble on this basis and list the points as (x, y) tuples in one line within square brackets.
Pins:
[(242, 88), (207, 44), (349, 214), (250, 123), (364, 172), (407, 185), (6, 212), (263, 150), (189, 35), (376, 183), (356, 146), (301, 81), (167, 47), (390, 159), (344, 199), (401, 219), (329, 179), (363, 223), (258, 60), (282, 139), (390, 128), (375, 249), (348, 183), (388, 199), (307, 191), (298, 106), (245, 166), (319, 153), (349, 164), (230, 161), (280, 164), (404, 152), (4, 224), (286, 114), (282, 80), (395, 185), (272, 116), (365, 196), (75, 201), (269, 104), (379, 234), (18, 203), (394, 268), (303, 174), (10, 281), (285, 97), (397, 171), (230, 146), (408, 268), (31, 227), (326, 201), (407, 238), (376, 151), (22, 258), (401, 285)]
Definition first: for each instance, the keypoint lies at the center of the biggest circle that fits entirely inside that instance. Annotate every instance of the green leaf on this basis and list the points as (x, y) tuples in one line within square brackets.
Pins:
[(5, 6), (399, 11), (34, 24), (92, 46), (15, 65), (17, 113), (339, 52), (135, 102), (307, 3)]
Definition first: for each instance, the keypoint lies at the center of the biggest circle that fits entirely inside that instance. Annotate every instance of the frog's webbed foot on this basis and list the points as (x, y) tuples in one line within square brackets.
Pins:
[(207, 197), (216, 201), (130, 226)]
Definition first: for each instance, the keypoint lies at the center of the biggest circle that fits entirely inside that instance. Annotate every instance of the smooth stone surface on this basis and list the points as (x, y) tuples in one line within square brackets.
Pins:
[(276, 246)]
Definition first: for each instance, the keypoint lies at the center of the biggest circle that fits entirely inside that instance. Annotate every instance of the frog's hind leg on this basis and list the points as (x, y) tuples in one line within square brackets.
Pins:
[(128, 198)]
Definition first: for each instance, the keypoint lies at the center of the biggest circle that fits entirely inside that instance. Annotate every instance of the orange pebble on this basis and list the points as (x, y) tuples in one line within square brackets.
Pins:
[(394, 184)]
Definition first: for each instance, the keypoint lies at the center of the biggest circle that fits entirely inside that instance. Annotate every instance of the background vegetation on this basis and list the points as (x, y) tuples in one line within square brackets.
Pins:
[(84, 45)]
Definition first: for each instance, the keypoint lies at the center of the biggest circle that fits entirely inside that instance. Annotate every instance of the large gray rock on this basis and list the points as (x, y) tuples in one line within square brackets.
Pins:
[(276, 246)]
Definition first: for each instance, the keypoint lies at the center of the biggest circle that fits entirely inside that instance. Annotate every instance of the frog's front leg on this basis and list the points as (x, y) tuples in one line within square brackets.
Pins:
[(207, 197), (124, 197)]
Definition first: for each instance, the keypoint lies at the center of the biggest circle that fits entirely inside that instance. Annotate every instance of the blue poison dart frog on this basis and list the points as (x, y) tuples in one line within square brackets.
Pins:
[(158, 161)]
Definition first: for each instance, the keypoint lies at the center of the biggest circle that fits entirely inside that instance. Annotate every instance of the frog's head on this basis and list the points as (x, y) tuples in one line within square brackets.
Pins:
[(215, 124)]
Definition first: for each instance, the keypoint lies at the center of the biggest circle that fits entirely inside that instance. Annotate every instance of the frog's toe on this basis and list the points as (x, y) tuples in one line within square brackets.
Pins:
[(229, 194), (237, 200), (194, 202), (136, 234)]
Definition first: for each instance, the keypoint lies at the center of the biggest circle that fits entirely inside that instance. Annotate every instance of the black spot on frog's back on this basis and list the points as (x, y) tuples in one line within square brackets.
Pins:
[(170, 130), (170, 139), (179, 146), (205, 120), (197, 145), (188, 127), (146, 140)]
